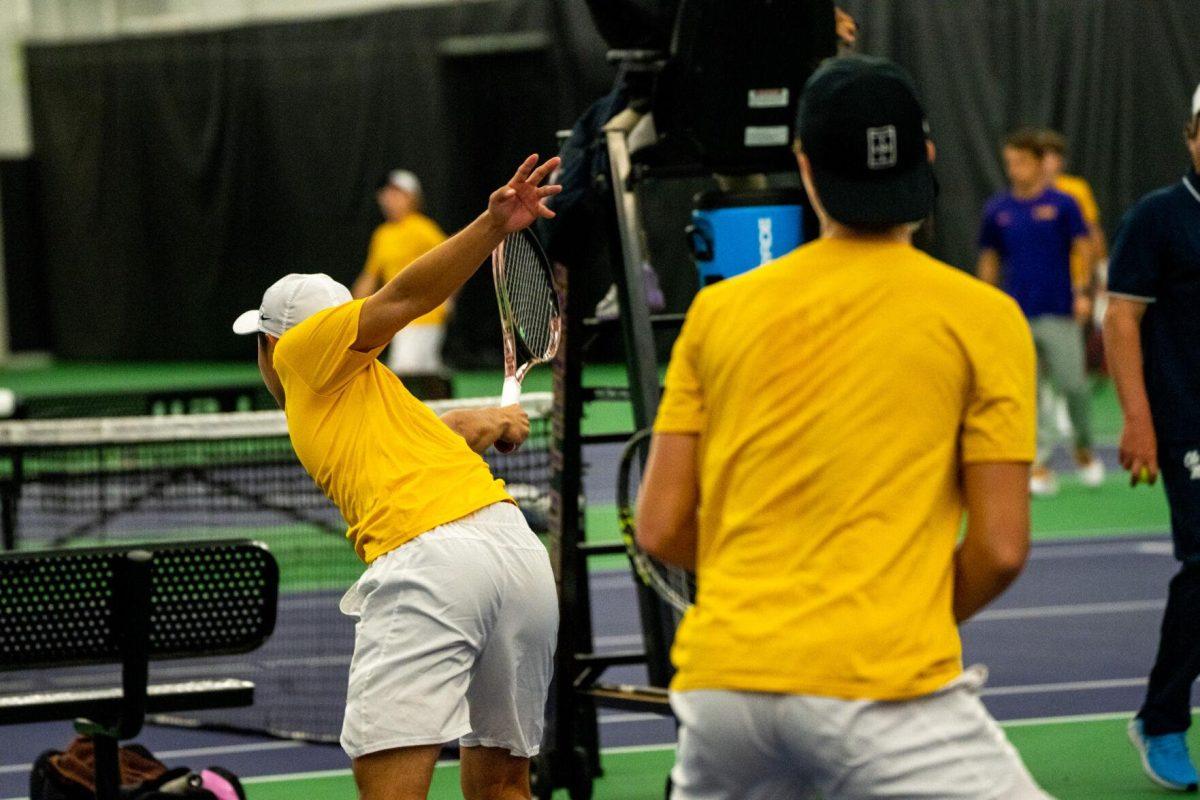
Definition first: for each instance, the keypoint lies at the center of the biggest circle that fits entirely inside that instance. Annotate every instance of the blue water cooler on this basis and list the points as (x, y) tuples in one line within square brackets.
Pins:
[(734, 232)]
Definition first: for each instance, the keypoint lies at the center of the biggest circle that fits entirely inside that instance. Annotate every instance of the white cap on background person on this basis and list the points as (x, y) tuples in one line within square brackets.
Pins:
[(1196, 101), (403, 180), (291, 300)]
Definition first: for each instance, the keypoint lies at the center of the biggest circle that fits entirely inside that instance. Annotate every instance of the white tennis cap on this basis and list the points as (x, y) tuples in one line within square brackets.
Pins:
[(403, 180), (291, 300), (1196, 101)]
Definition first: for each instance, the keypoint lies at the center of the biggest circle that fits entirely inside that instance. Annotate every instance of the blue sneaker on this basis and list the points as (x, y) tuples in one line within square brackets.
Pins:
[(1164, 758)]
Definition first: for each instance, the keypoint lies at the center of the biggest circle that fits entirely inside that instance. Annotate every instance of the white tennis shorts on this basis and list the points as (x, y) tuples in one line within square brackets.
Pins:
[(417, 350), (454, 640), (775, 746)]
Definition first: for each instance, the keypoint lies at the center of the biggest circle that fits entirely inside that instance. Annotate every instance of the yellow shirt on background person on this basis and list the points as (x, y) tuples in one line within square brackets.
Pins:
[(382, 456), (836, 393), (395, 245), (1081, 192)]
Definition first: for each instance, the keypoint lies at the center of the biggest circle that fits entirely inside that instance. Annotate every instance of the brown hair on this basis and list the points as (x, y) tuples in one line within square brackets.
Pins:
[(1053, 141), (1193, 126), (1028, 139)]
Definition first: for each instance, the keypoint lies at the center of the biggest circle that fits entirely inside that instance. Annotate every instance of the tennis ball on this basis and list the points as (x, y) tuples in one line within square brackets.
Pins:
[(1144, 475)]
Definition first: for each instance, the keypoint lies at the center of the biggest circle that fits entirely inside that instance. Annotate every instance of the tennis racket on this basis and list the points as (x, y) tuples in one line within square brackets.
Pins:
[(675, 586), (530, 313)]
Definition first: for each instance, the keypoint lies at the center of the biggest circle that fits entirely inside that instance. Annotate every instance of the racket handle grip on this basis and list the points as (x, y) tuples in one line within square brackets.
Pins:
[(511, 394)]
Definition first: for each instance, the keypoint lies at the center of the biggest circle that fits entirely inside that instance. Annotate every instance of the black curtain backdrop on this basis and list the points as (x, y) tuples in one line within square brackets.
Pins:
[(177, 176), (25, 278), (1116, 77)]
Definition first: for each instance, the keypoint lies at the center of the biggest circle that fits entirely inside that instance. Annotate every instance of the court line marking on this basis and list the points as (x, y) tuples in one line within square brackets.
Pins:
[(1066, 686), (632, 716), (1136, 546), (216, 750), (1071, 610), (1067, 719)]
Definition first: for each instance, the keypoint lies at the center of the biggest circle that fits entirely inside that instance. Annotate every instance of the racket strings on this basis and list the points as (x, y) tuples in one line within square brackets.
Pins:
[(674, 585), (532, 298)]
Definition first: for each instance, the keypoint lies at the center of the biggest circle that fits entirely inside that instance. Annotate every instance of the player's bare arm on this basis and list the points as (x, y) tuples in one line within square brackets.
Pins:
[(993, 553), (988, 268), (666, 512), (431, 279), (1082, 263), (1123, 346), (1099, 244), (483, 427)]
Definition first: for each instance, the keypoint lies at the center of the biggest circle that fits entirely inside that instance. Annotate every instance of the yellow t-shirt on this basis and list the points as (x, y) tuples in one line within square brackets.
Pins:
[(1081, 192), (836, 392), (395, 245), (383, 457)]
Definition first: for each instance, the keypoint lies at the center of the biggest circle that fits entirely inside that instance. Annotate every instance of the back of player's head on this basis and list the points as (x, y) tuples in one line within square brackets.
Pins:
[(863, 129)]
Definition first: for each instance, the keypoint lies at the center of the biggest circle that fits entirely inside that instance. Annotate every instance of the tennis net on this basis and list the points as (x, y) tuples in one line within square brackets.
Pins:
[(82, 482)]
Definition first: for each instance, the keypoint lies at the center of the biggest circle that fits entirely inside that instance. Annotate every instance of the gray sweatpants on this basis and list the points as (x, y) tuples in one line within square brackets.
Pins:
[(1061, 364)]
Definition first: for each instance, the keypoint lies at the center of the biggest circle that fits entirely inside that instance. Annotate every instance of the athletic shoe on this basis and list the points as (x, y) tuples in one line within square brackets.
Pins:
[(1043, 482), (610, 307), (1164, 758), (1091, 474)]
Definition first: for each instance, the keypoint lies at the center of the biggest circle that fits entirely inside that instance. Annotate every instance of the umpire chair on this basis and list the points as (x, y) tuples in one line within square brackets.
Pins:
[(720, 102)]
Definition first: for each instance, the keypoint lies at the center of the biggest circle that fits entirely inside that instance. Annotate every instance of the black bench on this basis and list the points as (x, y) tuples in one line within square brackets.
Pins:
[(123, 605)]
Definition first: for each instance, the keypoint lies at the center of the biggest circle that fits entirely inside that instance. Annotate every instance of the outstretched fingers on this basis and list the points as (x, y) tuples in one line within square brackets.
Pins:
[(543, 193), (523, 171), (539, 174)]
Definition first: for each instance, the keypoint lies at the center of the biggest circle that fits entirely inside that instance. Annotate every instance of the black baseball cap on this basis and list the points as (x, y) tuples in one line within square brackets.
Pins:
[(863, 129)]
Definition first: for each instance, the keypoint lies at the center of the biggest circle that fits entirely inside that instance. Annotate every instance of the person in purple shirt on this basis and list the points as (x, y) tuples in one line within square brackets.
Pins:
[(1034, 245)]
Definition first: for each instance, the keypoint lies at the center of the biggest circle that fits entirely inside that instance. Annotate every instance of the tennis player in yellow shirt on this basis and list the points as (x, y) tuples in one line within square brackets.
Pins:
[(405, 235), (827, 419), (457, 612), (1054, 162)]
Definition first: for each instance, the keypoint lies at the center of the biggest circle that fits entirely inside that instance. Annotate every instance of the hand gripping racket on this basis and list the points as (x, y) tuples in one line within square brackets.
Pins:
[(530, 314), (675, 586)]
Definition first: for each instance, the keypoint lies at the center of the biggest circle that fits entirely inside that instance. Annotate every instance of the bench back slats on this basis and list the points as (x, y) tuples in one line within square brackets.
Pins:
[(58, 608)]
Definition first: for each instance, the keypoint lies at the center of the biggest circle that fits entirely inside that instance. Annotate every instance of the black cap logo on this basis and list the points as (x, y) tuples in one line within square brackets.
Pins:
[(881, 147)]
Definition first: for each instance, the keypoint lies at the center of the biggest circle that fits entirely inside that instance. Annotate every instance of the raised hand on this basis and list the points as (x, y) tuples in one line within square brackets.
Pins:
[(522, 200)]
